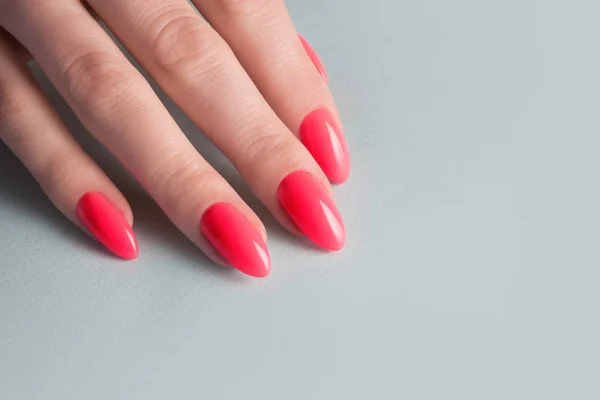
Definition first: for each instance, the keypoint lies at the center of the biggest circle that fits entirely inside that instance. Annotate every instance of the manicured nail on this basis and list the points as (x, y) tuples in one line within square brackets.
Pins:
[(232, 234), (312, 209), (107, 224), (324, 139), (314, 57)]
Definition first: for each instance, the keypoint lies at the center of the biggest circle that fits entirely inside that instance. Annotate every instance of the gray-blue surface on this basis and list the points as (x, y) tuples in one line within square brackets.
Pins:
[(471, 269)]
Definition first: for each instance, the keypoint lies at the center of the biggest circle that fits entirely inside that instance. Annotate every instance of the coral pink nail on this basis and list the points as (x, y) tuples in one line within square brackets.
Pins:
[(107, 224), (312, 209), (324, 139), (232, 234), (314, 57)]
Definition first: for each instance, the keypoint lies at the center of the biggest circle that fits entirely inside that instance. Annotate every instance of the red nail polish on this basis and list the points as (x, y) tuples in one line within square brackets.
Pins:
[(314, 58), (107, 224), (324, 139), (232, 234), (312, 209)]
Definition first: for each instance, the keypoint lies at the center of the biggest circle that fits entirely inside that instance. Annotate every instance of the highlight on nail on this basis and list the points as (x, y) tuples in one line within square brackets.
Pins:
[(236, 239), (312, 209)]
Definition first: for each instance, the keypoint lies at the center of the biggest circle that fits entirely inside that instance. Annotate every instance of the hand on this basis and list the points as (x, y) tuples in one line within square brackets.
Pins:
[(246, 80)]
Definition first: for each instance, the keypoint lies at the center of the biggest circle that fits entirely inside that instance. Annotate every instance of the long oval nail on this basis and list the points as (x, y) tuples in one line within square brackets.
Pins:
[(233, 235), (107, 224), (314, 57), (312, 209), (324, 139)]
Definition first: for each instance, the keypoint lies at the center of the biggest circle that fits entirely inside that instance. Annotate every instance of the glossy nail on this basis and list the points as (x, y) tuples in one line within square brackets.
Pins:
[(233, 235), (324, 139), (314, 57), (107, 224), (312, 209)]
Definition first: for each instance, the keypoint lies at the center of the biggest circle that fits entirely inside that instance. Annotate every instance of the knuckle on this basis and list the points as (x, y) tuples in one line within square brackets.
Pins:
[(97, 80), (245, 7), (272, 144), (181, 44), (180, 180)]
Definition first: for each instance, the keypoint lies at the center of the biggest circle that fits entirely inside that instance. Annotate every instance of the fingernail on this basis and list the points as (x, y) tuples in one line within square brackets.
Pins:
[(314, 58), (107, 224), (232, 234), (324, 139), (312, 209)]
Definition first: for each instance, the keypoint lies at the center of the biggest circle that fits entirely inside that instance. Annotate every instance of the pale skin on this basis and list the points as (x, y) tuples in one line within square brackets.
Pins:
[(244, 79)]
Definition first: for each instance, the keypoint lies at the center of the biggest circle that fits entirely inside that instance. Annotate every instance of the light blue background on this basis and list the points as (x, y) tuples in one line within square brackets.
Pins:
[(472, 265)]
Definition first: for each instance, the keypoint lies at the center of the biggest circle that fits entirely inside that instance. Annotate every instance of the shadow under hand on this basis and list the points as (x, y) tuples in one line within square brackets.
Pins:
[(153, 228), (20, 193)]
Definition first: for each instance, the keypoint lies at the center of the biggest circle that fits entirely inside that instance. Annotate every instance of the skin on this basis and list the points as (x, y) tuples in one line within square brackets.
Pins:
[(245, 80)]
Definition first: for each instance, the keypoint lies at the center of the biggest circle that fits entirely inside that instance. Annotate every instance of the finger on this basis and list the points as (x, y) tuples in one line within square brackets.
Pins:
[(73, 182), (201, 74), (119, 107), (262, 35)]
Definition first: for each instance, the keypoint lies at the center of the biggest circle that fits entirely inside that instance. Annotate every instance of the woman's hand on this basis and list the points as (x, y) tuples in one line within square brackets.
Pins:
[(245, 80)]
